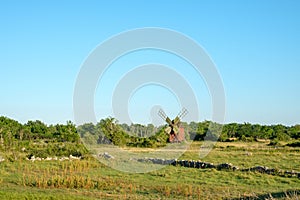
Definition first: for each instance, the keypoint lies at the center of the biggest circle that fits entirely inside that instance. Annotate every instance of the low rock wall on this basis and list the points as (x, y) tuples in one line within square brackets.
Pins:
[(224, 166)]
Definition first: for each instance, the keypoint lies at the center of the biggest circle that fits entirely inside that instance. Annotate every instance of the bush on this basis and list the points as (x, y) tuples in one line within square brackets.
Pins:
[(274, 142), (294, 144), (283, 137)]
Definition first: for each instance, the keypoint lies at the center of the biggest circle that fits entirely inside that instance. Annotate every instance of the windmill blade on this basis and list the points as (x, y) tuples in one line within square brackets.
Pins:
[(162, 114), (168, 120), (182, 113), (176, 121), (168, 130), (176, 130)]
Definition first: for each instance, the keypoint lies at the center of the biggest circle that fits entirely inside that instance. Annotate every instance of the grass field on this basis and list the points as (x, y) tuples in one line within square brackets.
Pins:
[(89, 179)]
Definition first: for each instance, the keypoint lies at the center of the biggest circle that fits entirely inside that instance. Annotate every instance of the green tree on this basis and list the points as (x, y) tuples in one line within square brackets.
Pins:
[(294, 131)]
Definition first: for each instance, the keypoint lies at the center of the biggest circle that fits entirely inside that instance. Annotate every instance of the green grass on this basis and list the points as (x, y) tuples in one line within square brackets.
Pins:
[(247, 155), (89, 179)]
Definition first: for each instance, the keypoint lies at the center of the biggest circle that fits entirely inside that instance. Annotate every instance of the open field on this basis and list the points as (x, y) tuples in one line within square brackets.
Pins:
[(89, 179)]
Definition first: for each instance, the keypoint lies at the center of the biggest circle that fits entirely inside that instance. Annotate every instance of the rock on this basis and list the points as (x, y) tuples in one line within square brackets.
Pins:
[(225, 166), (186, 163), (210, 165), (197, 164), (292, 173), (161, 161), (38, 159), (64, 158), (32, 158), (74, 157), (180, 162), (192, 164), (270, 171), (169, 162), (173, 162), (106, 156), (261, 169)]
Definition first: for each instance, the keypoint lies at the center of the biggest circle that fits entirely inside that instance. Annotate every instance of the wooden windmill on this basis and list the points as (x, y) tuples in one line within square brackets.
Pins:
[(174, 129)]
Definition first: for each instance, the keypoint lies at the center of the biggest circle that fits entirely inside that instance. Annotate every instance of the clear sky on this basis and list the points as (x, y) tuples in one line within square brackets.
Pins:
[(254, 44)]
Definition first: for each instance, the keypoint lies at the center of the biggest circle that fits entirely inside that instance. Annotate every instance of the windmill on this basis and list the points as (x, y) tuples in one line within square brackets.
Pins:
[(175, 131)]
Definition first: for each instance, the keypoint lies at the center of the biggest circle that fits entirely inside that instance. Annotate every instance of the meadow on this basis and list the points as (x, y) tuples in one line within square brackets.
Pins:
[(90, 179)]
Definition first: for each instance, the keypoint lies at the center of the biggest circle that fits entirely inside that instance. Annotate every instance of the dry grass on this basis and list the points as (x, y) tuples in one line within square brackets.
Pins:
[(89, 179)]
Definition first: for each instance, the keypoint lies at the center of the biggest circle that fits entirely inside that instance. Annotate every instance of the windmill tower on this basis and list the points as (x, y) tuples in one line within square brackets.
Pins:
[(174, 129)]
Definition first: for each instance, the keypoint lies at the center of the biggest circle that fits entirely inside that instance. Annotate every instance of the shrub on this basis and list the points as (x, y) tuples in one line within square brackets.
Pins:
[(274, 142), (294, 144)]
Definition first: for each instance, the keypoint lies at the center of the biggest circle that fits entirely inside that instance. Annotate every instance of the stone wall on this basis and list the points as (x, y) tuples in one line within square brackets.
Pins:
[(224, 166)]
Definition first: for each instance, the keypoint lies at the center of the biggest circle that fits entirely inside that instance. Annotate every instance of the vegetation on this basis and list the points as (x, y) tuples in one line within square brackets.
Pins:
[(89, 179), (107, 131), (37, 138), (243, 145), (137, 135), (246, 131)]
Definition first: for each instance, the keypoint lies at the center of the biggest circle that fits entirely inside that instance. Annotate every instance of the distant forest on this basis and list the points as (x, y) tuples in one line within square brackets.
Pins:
[(108, 130), (35, 137)]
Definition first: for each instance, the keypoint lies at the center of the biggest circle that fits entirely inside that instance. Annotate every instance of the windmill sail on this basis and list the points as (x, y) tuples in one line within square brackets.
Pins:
[(176, 120), (182, 113), (168, 130), (163, 115), (168, 120)]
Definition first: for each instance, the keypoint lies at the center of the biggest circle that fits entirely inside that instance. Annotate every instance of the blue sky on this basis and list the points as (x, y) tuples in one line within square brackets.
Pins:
[(254, 44)]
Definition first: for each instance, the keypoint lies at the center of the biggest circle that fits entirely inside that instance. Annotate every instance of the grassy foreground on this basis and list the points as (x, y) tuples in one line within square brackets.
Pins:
[(89, 179)]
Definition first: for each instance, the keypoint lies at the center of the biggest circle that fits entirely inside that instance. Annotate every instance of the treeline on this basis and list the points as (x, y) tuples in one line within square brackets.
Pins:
[(108, 131), (35, 137), (41, 140), (243, 132), (137, 135), (34, 130)]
